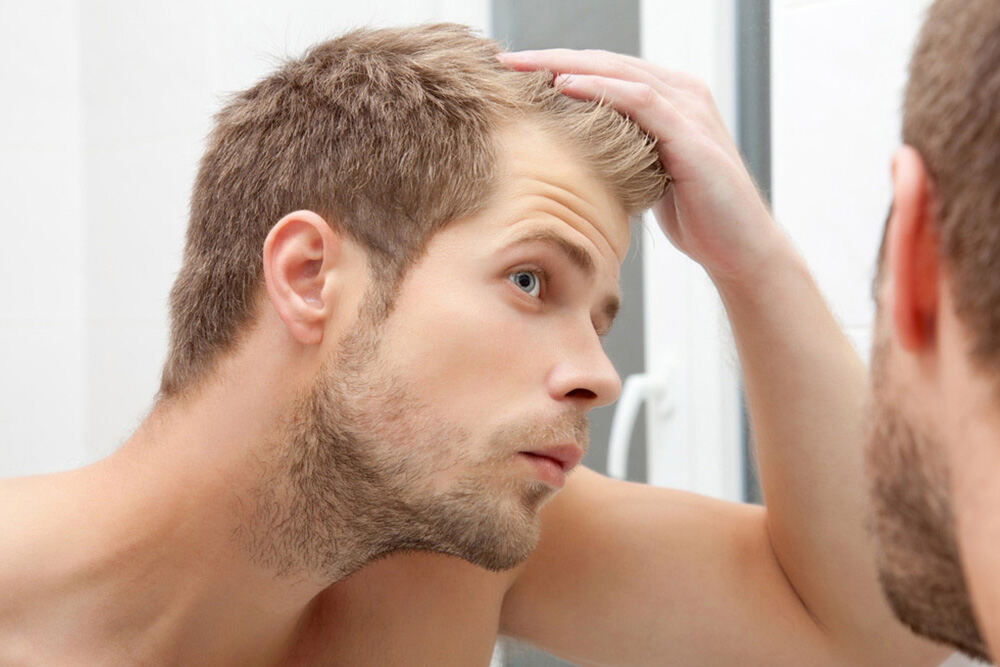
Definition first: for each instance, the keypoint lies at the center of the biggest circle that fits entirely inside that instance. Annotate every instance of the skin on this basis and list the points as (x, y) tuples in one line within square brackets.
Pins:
[(623, 574)]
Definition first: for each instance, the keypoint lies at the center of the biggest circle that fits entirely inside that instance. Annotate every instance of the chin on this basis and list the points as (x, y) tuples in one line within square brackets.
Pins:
[(495, 527)]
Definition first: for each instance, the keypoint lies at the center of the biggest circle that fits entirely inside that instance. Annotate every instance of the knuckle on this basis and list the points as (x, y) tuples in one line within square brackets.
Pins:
[(693, 85), (645, 95)]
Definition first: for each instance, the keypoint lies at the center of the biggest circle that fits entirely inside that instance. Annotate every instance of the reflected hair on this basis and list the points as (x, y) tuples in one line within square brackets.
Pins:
[(951, 115)]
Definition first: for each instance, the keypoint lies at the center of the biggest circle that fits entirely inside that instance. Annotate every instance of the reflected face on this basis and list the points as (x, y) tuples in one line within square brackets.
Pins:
[(918, 559), (446, 426)]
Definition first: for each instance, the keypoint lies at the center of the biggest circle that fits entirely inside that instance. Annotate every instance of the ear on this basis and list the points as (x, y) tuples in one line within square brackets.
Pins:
[(912, 252), (299, 253)]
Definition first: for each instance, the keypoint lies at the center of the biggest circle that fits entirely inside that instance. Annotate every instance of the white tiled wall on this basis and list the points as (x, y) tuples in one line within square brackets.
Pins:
[(106, 106)]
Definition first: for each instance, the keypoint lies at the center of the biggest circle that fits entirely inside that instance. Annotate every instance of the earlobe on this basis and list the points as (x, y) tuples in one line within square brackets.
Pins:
[(298, 253), (912, 253)]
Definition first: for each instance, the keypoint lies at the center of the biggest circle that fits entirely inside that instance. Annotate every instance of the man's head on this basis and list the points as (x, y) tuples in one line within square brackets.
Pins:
[(389, 135), (439, 239), (938, 327)]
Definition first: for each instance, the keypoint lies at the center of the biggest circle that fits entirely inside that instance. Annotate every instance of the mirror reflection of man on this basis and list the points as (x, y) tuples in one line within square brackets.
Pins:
[(385, 337)]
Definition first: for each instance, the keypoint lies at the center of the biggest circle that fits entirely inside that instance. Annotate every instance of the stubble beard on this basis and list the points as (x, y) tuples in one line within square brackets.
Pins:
[(909, 485), (359, 472)]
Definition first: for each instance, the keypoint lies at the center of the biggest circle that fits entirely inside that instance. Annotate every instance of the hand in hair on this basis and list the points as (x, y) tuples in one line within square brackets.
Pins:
[(713, 211)]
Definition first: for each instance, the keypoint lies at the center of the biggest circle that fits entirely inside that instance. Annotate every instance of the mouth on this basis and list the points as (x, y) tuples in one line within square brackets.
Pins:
[(552, 463), (565, 456)]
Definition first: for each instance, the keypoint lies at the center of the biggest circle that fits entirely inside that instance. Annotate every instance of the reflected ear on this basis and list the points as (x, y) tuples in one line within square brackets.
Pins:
[(299, 253), (912, 260)]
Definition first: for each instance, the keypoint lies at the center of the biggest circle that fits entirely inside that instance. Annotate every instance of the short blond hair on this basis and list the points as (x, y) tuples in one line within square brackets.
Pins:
[(389, 134)]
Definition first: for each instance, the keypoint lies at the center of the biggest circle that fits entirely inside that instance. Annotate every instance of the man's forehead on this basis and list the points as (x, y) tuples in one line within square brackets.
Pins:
[(542, 174)]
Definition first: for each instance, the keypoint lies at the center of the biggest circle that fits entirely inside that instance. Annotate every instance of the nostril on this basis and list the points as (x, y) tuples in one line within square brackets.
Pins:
[(582, 393)]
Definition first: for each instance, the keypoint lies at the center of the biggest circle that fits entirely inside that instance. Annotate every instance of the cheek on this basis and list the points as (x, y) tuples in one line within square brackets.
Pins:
[(470, 352)]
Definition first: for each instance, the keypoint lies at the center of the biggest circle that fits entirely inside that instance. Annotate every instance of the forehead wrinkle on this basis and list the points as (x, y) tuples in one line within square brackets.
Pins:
[(560, 234), (533, 205), (557, 198)]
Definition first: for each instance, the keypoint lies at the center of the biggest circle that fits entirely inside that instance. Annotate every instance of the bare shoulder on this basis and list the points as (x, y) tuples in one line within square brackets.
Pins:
[(41, 515)]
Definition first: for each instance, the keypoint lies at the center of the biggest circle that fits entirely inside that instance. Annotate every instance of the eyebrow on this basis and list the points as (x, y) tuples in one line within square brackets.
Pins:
[(578, 257)]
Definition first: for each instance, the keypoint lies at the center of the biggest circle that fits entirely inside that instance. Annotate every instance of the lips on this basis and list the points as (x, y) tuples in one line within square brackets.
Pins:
[(565, 456)]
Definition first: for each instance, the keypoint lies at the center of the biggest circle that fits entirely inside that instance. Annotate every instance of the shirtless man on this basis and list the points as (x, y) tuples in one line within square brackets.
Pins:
[(385, 338)]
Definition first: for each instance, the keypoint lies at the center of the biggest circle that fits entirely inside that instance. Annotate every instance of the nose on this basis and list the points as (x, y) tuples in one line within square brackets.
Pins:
[(585, 377)]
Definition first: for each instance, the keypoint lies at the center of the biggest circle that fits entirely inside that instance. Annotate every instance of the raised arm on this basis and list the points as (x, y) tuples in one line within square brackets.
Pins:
[(629, 574)]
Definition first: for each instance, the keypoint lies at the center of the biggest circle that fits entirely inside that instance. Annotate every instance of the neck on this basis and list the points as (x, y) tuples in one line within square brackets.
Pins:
[(137, 555), (973, 435)]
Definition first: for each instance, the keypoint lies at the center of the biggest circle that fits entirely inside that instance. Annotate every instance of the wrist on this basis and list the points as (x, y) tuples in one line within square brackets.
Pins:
[(762, 272)]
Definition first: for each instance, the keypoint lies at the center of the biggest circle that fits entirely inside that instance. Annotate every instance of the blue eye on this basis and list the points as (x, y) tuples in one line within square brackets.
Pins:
[(527, 281)]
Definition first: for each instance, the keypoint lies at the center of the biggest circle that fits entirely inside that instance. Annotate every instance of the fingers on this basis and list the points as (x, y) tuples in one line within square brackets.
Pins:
[(600, 63), (639, 101), (566, 61)]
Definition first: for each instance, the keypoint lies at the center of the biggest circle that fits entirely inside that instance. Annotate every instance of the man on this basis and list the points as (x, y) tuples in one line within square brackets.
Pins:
[(385, 338)]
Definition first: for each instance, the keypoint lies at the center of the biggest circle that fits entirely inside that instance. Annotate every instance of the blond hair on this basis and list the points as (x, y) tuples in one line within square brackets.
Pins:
[(389, 134)]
